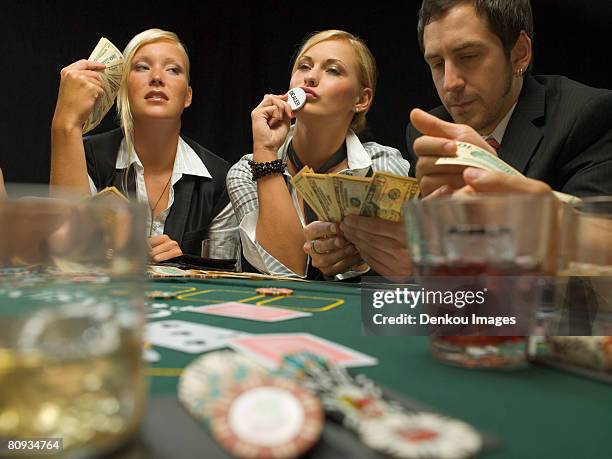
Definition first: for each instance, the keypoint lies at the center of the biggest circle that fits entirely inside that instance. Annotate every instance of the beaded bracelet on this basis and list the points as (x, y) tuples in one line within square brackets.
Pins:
[(260, 170)]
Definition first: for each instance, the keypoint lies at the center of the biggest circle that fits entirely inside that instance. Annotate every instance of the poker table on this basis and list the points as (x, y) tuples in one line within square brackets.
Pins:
[(537, 411)]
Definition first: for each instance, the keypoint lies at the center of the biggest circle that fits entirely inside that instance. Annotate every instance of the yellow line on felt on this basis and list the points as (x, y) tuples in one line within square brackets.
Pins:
[(200, 292), (171, 372), (335, 304)]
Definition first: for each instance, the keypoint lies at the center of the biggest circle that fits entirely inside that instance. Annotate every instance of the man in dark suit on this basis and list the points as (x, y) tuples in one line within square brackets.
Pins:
[(552, 129), (548, 127)]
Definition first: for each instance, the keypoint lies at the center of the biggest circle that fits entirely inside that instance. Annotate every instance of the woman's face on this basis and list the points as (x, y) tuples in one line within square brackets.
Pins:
[(157, 84), (328, 73)]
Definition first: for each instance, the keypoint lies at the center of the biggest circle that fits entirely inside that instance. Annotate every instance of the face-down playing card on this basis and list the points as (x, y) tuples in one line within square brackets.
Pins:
[(269, 349), (249, 312)]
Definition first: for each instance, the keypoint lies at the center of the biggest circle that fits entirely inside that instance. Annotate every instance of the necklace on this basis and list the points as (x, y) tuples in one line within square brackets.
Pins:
[(156, 204)]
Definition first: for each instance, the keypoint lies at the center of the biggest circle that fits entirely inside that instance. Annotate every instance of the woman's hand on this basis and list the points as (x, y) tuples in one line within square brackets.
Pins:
[(270, 122), (163, 248), (80, 88), (328, 249)]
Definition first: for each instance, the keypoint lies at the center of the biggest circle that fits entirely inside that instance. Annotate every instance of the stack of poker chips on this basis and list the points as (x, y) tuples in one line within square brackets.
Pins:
[(382, 425), (251, 413)]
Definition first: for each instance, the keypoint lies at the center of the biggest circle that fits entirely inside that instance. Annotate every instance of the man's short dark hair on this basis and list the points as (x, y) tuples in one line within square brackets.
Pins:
[(506, 18)]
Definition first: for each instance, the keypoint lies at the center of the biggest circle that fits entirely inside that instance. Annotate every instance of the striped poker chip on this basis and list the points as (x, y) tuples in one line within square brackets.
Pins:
[(207, 378), (267, 417), (274, 291), (161, 295), (419, 435)]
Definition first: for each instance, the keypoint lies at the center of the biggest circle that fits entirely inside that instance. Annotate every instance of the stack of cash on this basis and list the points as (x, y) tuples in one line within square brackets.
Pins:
[(106, 53), (334, 196)]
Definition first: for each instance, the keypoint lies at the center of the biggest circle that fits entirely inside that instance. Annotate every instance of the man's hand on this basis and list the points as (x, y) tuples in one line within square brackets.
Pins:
[(328, 249), (163, 248), (381, 243), (481, 181), (438, 140)]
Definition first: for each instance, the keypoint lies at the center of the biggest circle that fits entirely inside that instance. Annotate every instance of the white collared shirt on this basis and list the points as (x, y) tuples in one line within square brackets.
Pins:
[(242, 191), (500, 129), (186, 161)]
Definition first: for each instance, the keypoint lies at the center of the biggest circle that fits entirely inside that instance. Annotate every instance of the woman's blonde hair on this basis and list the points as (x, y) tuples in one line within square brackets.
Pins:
[(124, 111), (123, 103), (366, 65)]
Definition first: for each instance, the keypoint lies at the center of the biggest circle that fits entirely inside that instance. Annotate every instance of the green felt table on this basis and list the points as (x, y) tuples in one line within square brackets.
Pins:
[(536, 412)]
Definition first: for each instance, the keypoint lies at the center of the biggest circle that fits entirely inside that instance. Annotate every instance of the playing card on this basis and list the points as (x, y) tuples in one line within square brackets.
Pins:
[(249, 312), (270, 348), (189, 337)]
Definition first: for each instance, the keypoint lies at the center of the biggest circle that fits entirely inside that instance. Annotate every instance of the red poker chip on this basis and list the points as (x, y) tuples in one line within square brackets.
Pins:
[(274, 291), (267, 417)]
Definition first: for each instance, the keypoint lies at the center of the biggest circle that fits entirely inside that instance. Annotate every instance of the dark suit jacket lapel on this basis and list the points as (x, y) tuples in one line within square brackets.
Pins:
[(523, 134), (177, 218)]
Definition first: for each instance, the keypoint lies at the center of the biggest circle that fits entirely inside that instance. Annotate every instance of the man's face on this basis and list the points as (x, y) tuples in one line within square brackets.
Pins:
[(472, 74)]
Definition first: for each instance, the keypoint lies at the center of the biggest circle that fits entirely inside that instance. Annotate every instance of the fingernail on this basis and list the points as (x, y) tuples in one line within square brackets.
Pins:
[(449, 147), (332, 228), (337, 242), (472, 173)]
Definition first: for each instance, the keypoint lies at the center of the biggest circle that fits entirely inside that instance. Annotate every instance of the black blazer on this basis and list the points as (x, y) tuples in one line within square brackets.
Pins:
[(560, 132), (197, 200)]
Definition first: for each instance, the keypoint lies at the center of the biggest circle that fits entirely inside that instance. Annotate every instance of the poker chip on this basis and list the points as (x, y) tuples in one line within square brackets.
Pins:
[(296, 98), (274, 291), (267, 417), (160, 295), (419, 435), (207, 378)]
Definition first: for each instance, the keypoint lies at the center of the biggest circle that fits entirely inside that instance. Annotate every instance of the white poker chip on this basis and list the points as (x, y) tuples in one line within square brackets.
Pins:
[(420, 435), (296, 98)]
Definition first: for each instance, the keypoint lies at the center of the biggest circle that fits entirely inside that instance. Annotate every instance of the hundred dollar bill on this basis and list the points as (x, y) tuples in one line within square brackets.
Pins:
[(106, 53), (473, 156), (387, 194)]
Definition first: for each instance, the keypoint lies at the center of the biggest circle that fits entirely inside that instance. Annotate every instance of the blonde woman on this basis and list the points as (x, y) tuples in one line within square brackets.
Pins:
[(338, 74), (147, 158)]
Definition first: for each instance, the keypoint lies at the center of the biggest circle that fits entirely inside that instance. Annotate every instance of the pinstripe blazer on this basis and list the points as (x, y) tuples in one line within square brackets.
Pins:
[(560, 133)]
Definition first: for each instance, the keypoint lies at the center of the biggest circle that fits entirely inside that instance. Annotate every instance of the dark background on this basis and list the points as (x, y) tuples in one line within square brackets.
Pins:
[(241, 50)]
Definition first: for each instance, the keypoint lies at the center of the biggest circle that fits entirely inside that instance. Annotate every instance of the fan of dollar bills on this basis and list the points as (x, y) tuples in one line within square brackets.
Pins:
[(106, 53), (334, 196)]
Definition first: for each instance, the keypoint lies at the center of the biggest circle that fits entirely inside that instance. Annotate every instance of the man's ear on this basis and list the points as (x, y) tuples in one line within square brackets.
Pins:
[(521, 54)]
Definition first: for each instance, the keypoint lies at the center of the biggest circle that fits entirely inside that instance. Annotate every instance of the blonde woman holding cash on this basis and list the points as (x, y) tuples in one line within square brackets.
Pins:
[(182, 183), (338, 75)]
